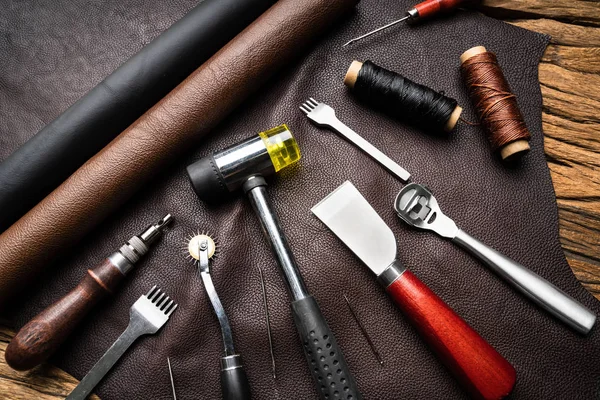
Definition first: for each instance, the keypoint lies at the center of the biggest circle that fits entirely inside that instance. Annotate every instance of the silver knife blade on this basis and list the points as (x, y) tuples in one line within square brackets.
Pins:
[(351, 218)]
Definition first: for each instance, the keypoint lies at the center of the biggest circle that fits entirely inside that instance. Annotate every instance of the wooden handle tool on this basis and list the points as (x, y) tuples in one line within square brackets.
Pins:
[(424, 10), (480, 369), (41, 336)]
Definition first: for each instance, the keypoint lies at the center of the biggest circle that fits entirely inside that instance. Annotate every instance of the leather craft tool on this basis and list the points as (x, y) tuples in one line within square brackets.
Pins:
[(171, 378), (41, 336), (363, 330), (234, 381), (323, 115), (147, 315), (416, 205), (268, 321), (245, 165), (402, 98), (423, 10), (481, 370), (134, 158)]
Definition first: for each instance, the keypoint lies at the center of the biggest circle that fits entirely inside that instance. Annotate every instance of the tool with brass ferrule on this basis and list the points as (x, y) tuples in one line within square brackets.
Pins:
[(426, 9), (40, 338), (234, 382)]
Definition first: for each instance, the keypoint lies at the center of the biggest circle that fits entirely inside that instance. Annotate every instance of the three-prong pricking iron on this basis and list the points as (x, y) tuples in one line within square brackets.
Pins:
[(147, 315), (323, 115)]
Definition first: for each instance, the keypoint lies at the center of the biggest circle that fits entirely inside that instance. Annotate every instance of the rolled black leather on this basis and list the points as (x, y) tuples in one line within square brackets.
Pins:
[(55, 152)]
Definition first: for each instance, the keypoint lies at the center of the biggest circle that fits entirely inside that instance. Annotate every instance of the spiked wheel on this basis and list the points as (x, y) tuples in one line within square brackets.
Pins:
[(191, 247)]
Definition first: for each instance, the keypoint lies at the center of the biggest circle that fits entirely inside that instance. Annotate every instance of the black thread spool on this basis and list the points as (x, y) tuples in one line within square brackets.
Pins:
[(402, 98)]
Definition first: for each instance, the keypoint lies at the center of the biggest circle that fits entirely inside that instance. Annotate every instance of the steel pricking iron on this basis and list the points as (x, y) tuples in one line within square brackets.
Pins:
[(416, 205), (147, 315)]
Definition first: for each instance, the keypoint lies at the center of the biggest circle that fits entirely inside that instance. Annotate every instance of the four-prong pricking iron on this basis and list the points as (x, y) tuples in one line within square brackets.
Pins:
[(416, 205), (147, 315), (323, 115), (234, 382)]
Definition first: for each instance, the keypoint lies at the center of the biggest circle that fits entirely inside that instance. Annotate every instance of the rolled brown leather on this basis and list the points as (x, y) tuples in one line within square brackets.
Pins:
[(173, 125)]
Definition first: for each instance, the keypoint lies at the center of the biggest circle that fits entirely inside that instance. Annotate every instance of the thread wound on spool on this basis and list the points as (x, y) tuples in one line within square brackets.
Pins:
[(404, 99), (495, 103)]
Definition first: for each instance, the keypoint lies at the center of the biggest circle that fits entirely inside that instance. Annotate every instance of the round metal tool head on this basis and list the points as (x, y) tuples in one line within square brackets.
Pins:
[(193, 245)]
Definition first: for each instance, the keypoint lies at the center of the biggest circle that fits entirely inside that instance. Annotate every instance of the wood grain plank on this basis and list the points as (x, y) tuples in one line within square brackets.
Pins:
[(572, 106), (584, 59), (574, 11), (581, 134), (588, 274), (575, 83), (579, 235), (45, 382), (562, 33)]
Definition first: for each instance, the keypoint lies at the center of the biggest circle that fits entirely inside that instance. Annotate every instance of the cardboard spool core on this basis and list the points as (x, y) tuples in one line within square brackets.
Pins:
[(352, 76), (511, 151)]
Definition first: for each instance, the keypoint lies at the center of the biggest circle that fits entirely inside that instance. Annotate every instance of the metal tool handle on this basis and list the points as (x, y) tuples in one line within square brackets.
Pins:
[(234, 382), (371, 150), (536, 288), (325, 359), (108, 360)]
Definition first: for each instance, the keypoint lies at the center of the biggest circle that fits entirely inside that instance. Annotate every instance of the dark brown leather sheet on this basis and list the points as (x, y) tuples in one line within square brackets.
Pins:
[(511, 209)]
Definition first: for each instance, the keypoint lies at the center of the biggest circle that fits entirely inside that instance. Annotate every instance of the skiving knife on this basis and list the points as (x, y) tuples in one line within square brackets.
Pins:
[(482, 371)]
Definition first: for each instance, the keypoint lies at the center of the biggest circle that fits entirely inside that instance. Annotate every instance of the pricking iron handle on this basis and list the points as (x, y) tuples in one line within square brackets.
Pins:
[(41, 336), (325, 359), (536, 288), (480, 369), (234, 381)]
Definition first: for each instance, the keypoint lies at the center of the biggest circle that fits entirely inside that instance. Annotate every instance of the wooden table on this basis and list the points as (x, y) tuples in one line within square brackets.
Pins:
[(570, 80)]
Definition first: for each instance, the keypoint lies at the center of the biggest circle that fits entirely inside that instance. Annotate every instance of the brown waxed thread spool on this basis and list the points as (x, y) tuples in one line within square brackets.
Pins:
[(495, 103), (352, 75)]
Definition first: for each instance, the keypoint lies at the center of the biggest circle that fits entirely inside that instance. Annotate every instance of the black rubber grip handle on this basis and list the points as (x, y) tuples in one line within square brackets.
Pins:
[(325, 359), (234, 381)]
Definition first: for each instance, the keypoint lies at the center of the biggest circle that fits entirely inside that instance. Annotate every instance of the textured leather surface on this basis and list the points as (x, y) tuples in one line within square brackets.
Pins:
[(172, 126), (512, 210), (62, 146)]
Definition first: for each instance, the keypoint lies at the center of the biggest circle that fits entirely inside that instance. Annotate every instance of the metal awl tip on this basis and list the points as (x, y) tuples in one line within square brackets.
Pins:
[(172, 381), (363, 330), (166, 220), (376, 30)]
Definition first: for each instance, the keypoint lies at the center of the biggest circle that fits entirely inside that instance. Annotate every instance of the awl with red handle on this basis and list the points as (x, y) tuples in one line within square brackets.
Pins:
[(424, 10), (481, 370)]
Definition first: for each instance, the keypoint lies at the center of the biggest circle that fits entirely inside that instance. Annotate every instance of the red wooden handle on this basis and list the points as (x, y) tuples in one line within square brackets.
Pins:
[(477, 365), (41, 336), (430, 8)]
